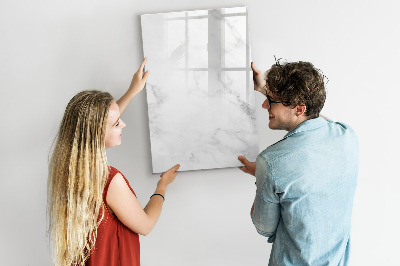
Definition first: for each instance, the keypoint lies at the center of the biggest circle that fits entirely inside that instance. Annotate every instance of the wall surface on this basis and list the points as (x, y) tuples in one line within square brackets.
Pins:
[(50, 50)]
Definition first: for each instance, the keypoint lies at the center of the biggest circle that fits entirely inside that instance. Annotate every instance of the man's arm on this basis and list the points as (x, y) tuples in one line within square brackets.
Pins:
[(258, 80), (265, 217), (265, 212)]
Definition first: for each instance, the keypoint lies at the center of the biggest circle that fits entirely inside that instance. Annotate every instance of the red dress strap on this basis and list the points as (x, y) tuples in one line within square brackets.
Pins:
[(112, 172), (116, 244)]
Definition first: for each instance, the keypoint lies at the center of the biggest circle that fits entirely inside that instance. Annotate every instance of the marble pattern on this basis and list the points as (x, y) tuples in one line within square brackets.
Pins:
[(199, 93)]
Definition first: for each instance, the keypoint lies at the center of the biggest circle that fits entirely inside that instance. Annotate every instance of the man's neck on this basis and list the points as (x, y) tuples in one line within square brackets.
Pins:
[(298, 121)]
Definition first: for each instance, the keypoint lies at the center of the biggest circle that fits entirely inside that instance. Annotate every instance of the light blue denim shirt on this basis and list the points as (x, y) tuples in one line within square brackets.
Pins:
[(305, 189)]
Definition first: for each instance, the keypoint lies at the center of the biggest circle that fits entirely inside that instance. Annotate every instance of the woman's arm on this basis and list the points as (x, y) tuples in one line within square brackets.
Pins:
[(137, 85), (125, 205)]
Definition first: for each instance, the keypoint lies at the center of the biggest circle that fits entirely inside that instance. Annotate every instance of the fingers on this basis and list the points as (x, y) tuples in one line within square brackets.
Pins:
[(146, 75), (141, 68), (175, 168), (243, 160), (169, 176), (172, 170), (142, 64), (244, 169)]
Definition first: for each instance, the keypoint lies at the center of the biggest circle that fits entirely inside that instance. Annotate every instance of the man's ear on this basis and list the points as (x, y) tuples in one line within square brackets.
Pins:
[(300, 110)]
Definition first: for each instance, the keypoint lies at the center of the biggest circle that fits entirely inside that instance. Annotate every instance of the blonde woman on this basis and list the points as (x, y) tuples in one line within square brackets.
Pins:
[(95, 217)]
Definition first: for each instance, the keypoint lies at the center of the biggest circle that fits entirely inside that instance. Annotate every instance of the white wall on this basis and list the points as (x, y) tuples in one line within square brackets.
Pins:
[(49, 50)]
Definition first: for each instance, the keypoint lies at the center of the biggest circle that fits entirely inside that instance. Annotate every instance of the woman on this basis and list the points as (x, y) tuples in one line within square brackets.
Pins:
[(95, 217)]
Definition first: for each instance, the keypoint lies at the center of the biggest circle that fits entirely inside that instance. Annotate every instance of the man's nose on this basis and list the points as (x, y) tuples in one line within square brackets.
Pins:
[(265, 104)]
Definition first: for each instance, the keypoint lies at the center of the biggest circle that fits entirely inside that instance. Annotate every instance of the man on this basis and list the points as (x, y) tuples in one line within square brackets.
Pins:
[(306, 181)]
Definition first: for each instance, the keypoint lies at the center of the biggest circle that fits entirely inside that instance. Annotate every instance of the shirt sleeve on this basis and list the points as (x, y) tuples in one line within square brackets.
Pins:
[(266, 212)]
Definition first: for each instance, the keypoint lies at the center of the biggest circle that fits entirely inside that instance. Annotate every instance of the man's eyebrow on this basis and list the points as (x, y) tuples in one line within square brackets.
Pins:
[(116, 121)]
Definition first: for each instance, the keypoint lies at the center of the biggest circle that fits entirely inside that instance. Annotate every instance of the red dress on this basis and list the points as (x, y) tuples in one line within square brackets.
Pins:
[(116, 244)]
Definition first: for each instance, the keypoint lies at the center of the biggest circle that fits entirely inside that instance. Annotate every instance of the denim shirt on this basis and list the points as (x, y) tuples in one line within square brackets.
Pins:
[(305, 189)]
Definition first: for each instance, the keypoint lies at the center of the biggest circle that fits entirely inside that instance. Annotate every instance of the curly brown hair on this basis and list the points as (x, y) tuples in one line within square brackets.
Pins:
[(298, 83)]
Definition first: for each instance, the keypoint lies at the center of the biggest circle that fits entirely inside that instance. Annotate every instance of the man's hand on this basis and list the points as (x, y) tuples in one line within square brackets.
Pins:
[(258, 79), (249, 167)]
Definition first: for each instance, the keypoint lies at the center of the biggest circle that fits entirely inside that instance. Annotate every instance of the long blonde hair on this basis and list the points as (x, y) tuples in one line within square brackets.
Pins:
[(78, 171)]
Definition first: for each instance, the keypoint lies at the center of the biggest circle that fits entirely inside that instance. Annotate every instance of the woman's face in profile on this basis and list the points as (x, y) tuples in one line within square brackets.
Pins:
[(114, 126)]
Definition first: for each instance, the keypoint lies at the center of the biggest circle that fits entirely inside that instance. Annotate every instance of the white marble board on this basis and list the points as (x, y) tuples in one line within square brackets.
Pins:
[(199, 93)]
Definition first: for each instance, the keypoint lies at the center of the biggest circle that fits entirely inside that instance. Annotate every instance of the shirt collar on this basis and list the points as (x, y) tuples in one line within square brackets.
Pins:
[(307, 125)]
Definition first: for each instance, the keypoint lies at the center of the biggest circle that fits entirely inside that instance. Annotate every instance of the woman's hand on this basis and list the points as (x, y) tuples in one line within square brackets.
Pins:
[(258, 79), (137, 85), (249, 167), (168, 176), (138, 79)]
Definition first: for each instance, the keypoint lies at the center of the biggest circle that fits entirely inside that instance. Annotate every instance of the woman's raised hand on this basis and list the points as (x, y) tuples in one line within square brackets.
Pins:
[(138, 79), (137, 85)]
